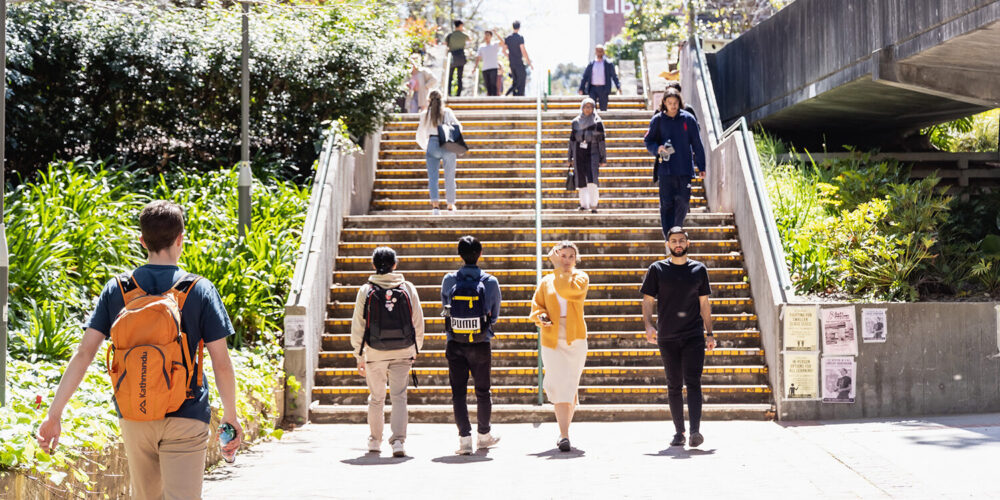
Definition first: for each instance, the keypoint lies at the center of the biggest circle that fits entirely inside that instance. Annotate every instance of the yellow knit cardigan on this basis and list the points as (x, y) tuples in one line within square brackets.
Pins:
[(572, 287)]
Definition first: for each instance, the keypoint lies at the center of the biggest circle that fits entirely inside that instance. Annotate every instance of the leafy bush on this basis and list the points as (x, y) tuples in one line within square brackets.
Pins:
[(855, 227), (75, 227), (977, 133), (159, 86)]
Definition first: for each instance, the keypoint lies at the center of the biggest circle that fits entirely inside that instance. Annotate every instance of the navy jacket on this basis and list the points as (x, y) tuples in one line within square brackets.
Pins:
[(492, 291), (609, 76), (682, 132)]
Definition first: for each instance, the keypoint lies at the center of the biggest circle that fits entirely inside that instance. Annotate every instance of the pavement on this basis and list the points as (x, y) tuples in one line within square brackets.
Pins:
[(939, 457)]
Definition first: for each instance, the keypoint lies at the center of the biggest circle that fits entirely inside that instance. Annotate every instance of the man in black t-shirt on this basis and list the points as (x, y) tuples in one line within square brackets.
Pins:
[(517, 54), (679, 290)]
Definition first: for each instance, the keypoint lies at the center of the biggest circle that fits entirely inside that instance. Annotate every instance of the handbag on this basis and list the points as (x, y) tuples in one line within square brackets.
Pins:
[(571, 179), (450, 139)]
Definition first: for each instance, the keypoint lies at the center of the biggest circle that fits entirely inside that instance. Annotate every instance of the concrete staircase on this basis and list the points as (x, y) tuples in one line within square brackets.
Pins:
[(624, 378)]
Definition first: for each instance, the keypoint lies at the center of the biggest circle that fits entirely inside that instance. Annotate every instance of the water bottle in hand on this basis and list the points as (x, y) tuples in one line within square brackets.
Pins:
[(668, 149), (227, 433)]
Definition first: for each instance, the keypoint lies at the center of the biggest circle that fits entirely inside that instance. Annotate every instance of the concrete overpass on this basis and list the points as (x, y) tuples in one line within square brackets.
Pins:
[(864, 72)]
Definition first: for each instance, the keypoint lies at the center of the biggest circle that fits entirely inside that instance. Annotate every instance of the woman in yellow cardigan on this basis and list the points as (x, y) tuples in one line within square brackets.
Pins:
[(557, 308)]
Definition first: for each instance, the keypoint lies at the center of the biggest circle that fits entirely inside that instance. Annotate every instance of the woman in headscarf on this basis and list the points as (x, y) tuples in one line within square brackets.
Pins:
[(587, 153)]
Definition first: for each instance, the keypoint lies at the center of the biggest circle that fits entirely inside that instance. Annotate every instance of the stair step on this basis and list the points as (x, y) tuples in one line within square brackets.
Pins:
[(562, 122), (469, 162), (498, 131), (548, 193), (587, 262), (503, 204), (469, 171), (410, 143), (528, 276), (595, 357), (509, 308), (587, 247), (526, 152), (757, 394), (512, 376), (551, 220), (493, 235), (533, 413), (739, 339), (512, 182), (525, 292)]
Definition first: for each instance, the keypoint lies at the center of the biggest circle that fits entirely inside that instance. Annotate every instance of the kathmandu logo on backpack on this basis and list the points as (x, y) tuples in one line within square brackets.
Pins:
[(149, 358)]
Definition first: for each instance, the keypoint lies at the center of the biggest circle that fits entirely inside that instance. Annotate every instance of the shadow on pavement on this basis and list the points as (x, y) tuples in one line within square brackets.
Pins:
[(478, 456), (373, 459), (681, 453), (555, 454)]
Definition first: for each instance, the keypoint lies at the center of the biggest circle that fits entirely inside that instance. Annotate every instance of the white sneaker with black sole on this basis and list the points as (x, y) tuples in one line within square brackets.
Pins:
[(397, 449), (464, 445)]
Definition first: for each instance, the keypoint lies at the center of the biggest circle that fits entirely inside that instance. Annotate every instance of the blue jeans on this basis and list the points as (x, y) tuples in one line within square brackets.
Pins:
[(675, 199), (436, 156)]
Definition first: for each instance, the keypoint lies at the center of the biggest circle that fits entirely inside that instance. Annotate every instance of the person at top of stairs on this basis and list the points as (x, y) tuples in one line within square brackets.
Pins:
[(587, 153), (597, 78), (427, 137), (387, 332), (564, 336), (456, 41), (674, 140), (471, 299), (679, 289)]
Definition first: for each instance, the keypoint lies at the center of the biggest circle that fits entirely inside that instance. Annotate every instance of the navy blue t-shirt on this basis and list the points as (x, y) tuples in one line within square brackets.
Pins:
[(677, 289), (204, 318), (514, 43)]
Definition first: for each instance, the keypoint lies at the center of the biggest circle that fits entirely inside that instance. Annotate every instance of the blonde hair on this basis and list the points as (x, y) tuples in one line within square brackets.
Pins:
[(567, 244)]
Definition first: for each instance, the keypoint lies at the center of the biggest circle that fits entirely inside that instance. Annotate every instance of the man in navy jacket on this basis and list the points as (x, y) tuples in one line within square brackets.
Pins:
[(673, 128), (597, 79)]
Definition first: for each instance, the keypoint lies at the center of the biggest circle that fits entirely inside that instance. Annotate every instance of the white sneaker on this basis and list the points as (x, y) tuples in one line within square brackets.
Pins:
[(436, 211), (487, 440), (374, 445), (464, 445), (397, 449)]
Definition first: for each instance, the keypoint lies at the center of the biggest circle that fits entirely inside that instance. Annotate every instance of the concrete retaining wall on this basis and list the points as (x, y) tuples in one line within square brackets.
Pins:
[(938, 358), (343, 186)]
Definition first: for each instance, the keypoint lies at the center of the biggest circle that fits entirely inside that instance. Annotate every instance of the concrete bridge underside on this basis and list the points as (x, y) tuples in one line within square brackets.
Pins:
[(864, 72)]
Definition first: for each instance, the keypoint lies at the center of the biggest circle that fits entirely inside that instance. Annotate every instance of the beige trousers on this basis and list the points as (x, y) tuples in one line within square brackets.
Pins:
[(166, 458), (377, 373)]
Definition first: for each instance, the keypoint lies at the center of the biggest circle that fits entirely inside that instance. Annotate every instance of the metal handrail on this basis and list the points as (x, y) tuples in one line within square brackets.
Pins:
[(773, 237), (324, 165), (538, 222)]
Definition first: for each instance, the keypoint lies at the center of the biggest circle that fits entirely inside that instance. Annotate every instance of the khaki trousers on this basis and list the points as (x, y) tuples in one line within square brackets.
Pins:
[(166, 458), (394, 371)]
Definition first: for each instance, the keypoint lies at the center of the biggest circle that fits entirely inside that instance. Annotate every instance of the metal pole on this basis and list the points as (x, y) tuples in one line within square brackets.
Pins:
[(692, 19), (4, 258), (245, 177), (538, 222)]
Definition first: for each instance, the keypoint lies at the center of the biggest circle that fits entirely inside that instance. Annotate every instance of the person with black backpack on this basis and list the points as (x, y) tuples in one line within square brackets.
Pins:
[(471, 302), (387, 332)]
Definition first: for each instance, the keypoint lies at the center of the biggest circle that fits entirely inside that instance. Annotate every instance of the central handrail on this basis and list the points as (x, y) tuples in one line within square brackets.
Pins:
[(538, 221)]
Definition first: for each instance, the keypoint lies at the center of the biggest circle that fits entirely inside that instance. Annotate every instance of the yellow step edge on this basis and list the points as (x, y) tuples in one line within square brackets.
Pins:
[(501, 389), (448, 245), (713, 370), (709, 229)]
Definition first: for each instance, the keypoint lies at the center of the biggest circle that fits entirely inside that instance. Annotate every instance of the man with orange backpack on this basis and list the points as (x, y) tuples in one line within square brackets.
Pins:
[(159, 319)]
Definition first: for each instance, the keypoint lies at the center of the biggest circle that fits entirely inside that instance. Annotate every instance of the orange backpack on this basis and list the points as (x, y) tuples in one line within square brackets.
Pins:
[(148, 360)]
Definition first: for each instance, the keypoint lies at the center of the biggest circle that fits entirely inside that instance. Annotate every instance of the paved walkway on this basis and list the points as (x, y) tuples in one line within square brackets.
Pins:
[(946, 457)]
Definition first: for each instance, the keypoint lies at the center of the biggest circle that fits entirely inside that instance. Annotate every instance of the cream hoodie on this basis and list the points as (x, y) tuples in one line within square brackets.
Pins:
[(389, 280), (425, 130)]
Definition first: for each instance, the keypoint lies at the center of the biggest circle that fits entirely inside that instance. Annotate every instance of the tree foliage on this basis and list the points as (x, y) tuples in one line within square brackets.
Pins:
[(158, 86)]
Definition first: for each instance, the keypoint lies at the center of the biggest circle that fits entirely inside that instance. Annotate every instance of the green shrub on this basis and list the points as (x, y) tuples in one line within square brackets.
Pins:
[(977, 133), (157, 86)]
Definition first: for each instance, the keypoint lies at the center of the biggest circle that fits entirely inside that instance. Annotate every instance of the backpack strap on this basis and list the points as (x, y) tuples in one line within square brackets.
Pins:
[(182, 287), (372, 289), (129, 287)]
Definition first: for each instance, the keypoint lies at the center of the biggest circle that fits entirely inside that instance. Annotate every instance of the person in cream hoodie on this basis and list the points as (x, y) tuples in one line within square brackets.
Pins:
[(387, 332)]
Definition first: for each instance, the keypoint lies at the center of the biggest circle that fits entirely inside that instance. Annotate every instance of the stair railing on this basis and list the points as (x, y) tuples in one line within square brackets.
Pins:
[(538, 221)]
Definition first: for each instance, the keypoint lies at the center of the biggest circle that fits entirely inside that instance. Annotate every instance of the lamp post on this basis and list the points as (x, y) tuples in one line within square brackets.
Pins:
[(4, 258), (245, 176)]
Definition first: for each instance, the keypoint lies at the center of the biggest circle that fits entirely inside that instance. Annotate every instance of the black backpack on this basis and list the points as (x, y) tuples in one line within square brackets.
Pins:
[(388, 319), (468, 320)]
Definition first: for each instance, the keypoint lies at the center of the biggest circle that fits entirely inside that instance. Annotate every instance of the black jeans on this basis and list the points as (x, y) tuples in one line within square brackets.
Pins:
[(490, 79), (675, 200), (462, 359), (684, 360), (457, 66), (520, 74)]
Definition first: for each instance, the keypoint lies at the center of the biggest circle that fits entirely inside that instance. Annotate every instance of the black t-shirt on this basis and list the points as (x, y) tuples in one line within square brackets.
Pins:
[(514, 43), (677, 289)]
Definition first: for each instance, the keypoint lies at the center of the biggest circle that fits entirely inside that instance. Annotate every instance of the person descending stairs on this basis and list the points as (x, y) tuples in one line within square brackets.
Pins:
[(623, 378)]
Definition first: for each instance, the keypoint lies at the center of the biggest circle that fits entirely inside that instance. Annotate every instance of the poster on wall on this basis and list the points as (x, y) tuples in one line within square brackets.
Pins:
[(840, 331), (839, 379), (802, 376), (873, 325), (801, 328)]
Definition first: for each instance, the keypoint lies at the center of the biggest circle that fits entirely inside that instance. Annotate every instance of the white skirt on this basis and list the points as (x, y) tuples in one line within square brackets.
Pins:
[(563, 367)]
